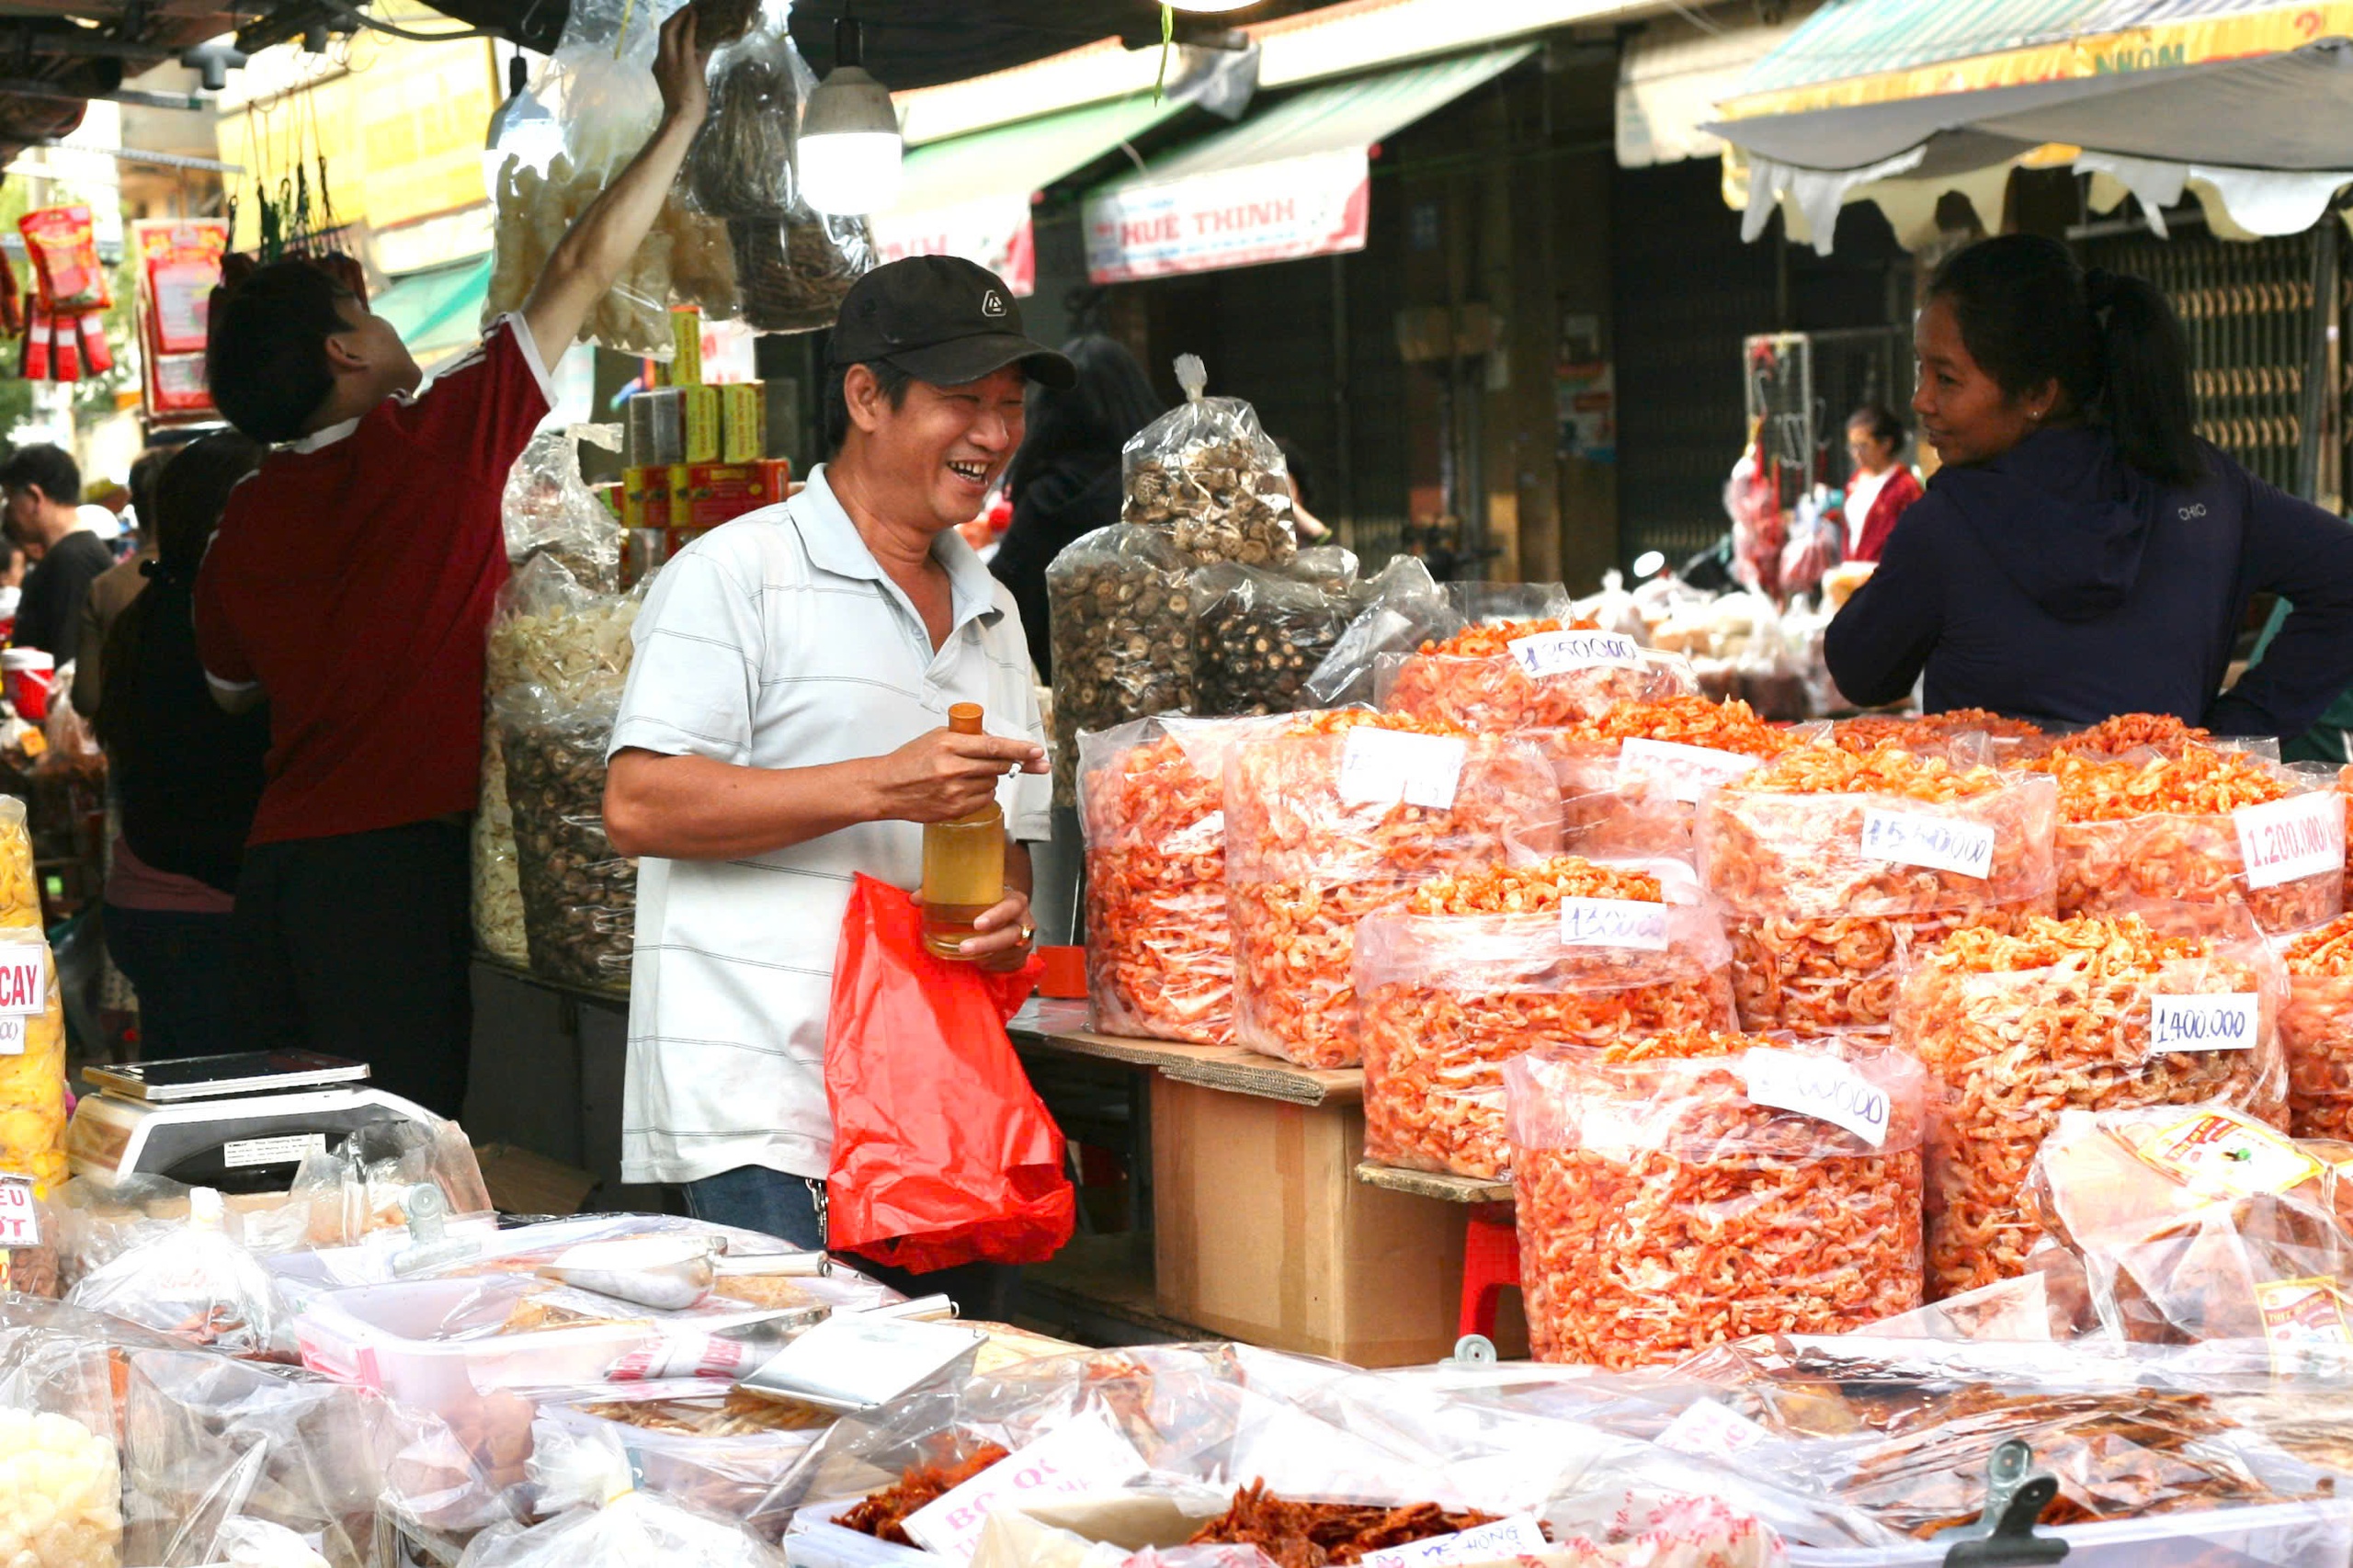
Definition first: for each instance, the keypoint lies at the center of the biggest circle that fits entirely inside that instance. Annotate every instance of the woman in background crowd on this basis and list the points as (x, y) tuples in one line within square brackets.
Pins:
[(188, 775), (1066, 479), (1883, 484)]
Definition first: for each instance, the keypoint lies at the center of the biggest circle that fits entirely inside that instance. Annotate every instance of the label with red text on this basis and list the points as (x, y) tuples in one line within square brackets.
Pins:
[(1085, 1455)]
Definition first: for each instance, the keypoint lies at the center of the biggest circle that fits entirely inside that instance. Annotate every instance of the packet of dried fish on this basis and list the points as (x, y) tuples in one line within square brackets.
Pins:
[(1205, 473), (741, 163)]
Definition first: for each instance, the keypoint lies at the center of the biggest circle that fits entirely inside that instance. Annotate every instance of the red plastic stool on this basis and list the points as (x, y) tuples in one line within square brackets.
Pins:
[(1490, 1265)]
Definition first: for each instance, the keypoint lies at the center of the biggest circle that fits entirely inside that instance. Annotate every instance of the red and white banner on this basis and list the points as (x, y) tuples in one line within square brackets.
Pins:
[(993, 231), (1281, 210)]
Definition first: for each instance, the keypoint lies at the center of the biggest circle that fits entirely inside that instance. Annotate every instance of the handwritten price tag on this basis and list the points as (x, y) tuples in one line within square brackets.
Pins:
[(1613, 922), (1941, 843), (1515, 1536), (1820, 1086), (1556, 652), (2216, 1021), (1686, 771), (19, 1222), (1381, 768), (2286, 841), (1087, 1455)]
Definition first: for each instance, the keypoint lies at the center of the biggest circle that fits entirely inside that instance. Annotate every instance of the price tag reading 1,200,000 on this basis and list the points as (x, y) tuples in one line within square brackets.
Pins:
[(1555, 652), (2286, 841), (1820, 1086), (24, 992), (1941, 843), (1381, 768)]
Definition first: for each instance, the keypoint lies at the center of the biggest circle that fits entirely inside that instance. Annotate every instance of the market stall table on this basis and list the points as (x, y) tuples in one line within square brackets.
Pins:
[(1261, 1229)]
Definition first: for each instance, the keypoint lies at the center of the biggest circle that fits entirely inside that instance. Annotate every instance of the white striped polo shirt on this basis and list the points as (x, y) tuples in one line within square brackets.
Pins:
[(777, 642)]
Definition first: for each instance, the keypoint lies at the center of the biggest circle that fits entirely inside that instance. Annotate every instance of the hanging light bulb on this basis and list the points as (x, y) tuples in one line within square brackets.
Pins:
[(520, 127), (849, 153)]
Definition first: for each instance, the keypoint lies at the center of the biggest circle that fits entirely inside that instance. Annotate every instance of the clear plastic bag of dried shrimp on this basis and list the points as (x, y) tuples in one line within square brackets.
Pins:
[(2316, 1028), (1833, 868), (1477, 968), (1336, 816), (2095, 1013), (1685, 1190), (1521, 674)]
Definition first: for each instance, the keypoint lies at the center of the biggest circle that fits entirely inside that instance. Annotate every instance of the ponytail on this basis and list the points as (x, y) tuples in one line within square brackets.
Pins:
[(2029, 316), (2145, 364)]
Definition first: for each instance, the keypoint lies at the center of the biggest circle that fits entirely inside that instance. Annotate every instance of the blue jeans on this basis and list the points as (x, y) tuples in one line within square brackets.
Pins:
[(180, 965), (754, 1197)]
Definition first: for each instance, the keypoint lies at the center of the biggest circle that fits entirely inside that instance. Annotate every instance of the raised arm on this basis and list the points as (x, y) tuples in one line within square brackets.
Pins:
[(593, 252)]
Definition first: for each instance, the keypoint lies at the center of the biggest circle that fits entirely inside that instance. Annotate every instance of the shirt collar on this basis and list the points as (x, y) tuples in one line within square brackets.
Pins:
[(326, 438), (834, 545)]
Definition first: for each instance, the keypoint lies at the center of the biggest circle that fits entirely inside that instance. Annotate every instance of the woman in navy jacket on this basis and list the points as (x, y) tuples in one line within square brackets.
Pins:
[(2082, 554)]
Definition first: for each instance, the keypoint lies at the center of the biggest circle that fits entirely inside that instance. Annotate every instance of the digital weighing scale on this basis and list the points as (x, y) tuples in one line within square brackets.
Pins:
[(239, 1123)]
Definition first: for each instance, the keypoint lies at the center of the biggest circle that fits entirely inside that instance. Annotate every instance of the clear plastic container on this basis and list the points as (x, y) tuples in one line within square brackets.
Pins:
[(2282, 1535), (813, 1541)]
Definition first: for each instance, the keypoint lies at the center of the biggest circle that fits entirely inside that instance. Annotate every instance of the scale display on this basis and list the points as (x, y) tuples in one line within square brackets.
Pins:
[(214, 1077)]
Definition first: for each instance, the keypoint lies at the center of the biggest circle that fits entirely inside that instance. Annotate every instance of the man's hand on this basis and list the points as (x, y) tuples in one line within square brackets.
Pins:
[(942, 776), (1005, 930), (678, 70)]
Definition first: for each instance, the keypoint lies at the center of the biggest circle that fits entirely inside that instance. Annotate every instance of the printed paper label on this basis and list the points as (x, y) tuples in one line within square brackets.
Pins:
[(290, 1149), (1613, 922), (1555, 652), (1686, 771), (1820, 1086), (1085, 1455), (1941, 843), (2220, 1021), (24, 994), (19, 1222), (2286, 841), (1381, 768), (2229, 1156), (1708, 1430), (2303, 1320), (1515, 1536)]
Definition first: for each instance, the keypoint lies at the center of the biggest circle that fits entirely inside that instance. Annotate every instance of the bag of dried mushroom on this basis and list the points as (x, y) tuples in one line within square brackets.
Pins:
[(1205, 473), (1119, 606), (557, 651), (1257, 635)]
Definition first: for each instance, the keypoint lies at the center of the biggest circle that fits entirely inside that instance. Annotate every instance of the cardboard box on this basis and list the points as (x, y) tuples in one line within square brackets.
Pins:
[(523, 1183), (701, 420), (743, 423), (686, 343), (645, 498), (1262, 1232)]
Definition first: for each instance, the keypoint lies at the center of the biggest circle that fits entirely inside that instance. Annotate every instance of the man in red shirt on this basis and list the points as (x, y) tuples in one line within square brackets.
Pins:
[(350, 586)]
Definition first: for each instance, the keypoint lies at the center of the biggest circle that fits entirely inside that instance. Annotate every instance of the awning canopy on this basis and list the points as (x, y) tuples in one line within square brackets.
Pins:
[(1287, 183), (1671, 75), (970, 196), (440, 308)]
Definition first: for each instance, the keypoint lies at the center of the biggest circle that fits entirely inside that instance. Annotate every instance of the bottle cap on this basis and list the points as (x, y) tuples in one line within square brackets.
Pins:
[(964, 717)]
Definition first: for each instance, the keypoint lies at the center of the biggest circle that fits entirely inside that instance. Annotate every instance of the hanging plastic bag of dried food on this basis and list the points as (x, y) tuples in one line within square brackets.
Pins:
[(550, 510), (792, 272), (742, 162), (1205, 473)]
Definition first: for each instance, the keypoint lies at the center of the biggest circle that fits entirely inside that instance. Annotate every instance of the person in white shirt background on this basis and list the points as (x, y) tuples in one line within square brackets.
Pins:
[(783, 729)]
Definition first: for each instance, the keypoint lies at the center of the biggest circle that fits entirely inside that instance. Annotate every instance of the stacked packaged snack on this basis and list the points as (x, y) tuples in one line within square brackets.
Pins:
[(1336, 816), (1481, 967), (2316, 1029), (2095, 1013), (1159, 947), (1833, 866), (2197, 827), (1526, 674), (1688, 1189), (1630, 779), (32, 1058), (2197, 1222)]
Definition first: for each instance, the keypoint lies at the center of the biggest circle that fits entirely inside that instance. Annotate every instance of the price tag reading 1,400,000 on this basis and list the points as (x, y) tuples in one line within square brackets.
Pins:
[(1941, 843), (2217, 1020), (1820, 1086)]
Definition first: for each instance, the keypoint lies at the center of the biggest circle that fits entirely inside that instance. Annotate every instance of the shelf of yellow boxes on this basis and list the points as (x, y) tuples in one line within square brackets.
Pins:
[(20, 891), (32, 1060)]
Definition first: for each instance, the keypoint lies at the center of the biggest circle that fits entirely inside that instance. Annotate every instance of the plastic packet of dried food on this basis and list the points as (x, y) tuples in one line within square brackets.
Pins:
[(1476, 970), (362, 1184), (1331, 567), (1499, 604), (190, 1282), (1119, 602), (1151, 808), (19, 892), (579, 894), (711, 1447), (1686, 1191), (633, 1530), (1207, 475), (1257, 635), (1520, 674), (1399, 609), (741, 163), (32, 1075), (1834, 869), (548, 508), (2316, 1028), (792, 273), (2196, 1223), (1340, 814), (495, 888), (552, 631), (2094, 1013)]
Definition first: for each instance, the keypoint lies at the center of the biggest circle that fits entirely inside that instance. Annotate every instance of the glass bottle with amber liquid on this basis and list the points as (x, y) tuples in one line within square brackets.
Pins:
[(963, 862)]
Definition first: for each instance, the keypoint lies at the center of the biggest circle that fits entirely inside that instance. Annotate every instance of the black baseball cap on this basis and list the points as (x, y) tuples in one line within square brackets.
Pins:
[(943, 320)]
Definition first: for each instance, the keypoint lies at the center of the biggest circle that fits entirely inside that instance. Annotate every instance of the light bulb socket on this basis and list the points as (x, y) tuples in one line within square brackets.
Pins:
[(849, 42)]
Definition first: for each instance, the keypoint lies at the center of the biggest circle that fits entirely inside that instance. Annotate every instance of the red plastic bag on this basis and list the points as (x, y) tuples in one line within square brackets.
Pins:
[(942, 1151)]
